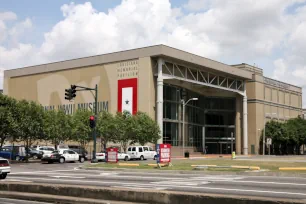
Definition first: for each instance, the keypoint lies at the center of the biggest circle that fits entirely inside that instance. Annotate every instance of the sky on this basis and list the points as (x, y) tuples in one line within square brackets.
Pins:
[(267, 34)]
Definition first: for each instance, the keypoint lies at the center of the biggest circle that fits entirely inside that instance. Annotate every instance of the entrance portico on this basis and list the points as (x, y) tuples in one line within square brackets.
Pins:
[(191, 80)]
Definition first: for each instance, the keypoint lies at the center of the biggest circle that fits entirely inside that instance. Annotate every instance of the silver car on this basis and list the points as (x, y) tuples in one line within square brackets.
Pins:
[(5, 168)]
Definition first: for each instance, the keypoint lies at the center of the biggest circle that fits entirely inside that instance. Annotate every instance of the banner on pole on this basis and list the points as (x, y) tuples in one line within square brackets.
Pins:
[(163, 153), (112, 155)]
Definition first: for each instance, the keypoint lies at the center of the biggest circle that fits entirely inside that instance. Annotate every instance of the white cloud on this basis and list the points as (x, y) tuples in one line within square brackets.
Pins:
[(198, 5), (243, 30)]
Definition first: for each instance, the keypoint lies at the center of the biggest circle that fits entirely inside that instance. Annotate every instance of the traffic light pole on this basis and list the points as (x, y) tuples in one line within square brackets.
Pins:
[(94, 159), (69, 97)]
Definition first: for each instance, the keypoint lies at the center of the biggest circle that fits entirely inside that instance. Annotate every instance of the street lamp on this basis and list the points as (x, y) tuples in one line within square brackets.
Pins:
[(264, 133), (184, 104)]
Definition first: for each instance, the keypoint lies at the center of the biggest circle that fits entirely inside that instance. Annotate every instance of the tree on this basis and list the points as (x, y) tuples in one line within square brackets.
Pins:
[(30, 122), (107, 128), (296, 129), (146, 129), (125, 129), (57, 126), (81, 131), (8, 123), (277, 131)]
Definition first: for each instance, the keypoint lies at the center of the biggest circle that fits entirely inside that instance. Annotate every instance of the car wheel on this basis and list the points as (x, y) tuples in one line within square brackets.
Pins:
[(126, 158), (3, 176), (154, 157), (141, 158), (35, 156), (62, 160), (82, 159)]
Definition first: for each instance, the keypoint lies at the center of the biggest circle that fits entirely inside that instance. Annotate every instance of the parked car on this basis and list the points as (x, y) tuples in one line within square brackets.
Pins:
[(35, 154), (80, 150), (62, 156), (13, 152), (101, 156), (44, 149), (4, 168), (141, 152), (123, 156)]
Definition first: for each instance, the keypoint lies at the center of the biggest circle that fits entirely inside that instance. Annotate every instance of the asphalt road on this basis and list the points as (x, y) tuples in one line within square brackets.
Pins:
[(261, 186), (15, 201)]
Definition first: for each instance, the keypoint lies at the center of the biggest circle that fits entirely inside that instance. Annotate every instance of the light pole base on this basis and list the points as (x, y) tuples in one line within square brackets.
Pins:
[(94, 161)]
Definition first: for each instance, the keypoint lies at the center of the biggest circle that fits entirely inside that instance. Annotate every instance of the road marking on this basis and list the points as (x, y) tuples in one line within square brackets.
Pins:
[(39, 172), (171, 186), (269, 182), (108, 175), (141, 188), (17, 180), (68, 177)]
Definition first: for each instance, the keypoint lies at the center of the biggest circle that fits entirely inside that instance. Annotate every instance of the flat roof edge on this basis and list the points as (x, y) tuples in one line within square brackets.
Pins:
[(151, 51)]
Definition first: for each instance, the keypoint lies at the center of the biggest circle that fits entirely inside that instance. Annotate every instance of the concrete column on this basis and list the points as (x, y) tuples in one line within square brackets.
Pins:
[(238, 124), (160, 84), (245, 124)]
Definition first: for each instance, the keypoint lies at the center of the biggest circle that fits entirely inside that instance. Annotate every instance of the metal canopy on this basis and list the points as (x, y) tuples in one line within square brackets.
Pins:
[(173, 70)]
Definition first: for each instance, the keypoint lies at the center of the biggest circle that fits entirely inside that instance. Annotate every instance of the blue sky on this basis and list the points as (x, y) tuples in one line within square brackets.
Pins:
[(266, 33)]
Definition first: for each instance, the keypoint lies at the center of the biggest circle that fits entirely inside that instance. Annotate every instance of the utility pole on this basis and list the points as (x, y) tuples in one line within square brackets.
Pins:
[(184, 104)]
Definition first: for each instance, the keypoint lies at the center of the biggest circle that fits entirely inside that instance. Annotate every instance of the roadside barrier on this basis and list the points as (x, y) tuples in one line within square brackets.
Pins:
[(292, 168), (127, 164), (155, 165)]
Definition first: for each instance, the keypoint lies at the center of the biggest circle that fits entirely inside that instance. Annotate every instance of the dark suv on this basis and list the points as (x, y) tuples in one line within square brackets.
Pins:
[(80, 150)]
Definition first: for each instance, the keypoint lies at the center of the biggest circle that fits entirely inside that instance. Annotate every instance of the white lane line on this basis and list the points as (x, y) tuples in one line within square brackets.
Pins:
[(39, 172), (141, 188), (171, 186), (17, 180), (68, 177), (261, 182), (102, 175)]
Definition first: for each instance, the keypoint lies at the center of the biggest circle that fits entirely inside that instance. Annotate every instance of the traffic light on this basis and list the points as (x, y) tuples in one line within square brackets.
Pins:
[(73, 91), (68, 94), (92, 121)]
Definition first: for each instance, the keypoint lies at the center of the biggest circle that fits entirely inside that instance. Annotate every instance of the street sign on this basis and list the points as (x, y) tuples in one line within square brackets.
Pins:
[(112, 155), (163, 153), (269, 141)]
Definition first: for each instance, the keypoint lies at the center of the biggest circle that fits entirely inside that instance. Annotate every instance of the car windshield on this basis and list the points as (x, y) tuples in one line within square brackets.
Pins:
[(55, 152)]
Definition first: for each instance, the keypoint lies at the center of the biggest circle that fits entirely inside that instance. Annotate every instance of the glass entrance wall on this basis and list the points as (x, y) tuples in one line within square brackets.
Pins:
[(214, 115)]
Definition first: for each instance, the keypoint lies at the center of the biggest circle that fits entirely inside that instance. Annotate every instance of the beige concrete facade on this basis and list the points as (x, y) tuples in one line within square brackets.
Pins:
[(270, 99), (46, 85)]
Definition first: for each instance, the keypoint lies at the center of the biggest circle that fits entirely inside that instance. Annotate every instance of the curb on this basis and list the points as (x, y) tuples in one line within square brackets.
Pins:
[(230, 167), (55, 199), (137, 195), (253, 173)]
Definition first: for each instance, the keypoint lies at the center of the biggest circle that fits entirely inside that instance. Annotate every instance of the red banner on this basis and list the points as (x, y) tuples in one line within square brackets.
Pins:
[(112, 155), (127, 95), (164, 153)]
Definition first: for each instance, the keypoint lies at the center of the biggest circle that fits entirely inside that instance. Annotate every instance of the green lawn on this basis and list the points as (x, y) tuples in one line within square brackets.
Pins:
[(186, 164)]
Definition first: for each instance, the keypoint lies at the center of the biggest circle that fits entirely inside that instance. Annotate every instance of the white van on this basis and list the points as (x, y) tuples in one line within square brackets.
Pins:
[(141, 152)]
